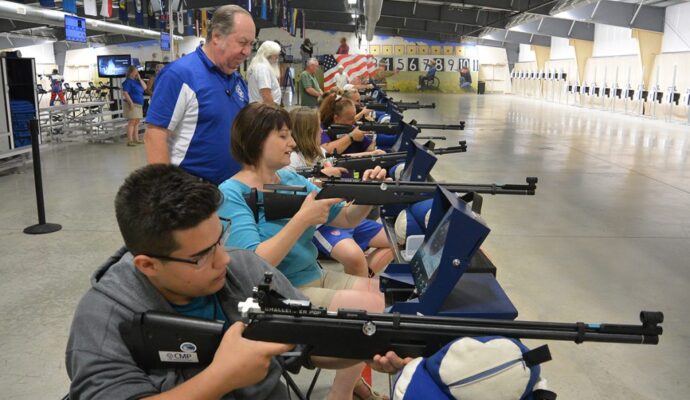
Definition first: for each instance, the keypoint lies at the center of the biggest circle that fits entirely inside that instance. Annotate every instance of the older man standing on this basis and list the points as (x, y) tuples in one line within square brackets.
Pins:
[(341, 78), (309, 88), (197, 99), (263, 73)]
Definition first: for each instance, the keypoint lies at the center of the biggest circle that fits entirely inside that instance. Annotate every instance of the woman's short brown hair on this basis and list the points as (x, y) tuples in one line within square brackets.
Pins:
[(252, 126)]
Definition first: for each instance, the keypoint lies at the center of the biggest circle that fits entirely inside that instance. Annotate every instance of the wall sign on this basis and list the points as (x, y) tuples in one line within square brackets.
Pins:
[(440, 63)]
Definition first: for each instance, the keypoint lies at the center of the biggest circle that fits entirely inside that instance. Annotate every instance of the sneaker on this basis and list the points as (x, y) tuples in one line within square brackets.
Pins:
[(139, 141), (131, 144)]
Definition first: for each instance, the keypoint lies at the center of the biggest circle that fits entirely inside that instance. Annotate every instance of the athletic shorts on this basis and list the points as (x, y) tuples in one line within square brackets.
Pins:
[(326, 237), (321, 291)]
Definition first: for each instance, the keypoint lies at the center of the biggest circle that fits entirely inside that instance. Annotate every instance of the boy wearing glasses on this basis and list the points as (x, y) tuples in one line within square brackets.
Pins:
[(174, 261)]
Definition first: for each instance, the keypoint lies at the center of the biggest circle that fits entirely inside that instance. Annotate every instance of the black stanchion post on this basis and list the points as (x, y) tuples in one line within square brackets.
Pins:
[(42, 227)]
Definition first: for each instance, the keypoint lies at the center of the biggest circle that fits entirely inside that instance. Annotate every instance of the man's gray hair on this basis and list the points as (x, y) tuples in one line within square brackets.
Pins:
[(223, 20), (313, 61)]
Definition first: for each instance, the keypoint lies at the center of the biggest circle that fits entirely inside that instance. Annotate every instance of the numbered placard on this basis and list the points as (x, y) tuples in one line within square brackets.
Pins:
[(451, 65), (400, 64), (439, 64), (463, 63), (388, 61), (413, 64)]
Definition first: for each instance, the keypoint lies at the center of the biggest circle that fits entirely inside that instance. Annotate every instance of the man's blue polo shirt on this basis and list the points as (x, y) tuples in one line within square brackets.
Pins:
[(198, 102)]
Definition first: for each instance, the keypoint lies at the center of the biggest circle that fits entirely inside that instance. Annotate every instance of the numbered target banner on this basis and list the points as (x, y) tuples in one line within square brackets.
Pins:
[(443, 73), (410, 73)]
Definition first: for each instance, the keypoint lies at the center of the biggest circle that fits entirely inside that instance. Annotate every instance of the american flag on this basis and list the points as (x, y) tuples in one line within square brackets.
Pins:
[(361, 65)]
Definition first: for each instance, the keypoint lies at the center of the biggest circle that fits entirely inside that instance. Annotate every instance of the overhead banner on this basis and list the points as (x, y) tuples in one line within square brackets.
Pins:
[(122, 11), (90, 7), (190, 25), (180, 22), (107, 8), (69, 6), (139, 12)]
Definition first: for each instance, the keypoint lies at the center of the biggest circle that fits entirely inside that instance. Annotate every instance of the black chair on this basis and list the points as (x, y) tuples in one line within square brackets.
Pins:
[(40, 91), (70, 91)]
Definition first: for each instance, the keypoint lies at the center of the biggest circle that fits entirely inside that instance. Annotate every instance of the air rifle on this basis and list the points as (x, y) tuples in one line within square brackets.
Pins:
[(336, 130), (361, 335), (156, 338), (283, 201), (386, 161), (399, 105)]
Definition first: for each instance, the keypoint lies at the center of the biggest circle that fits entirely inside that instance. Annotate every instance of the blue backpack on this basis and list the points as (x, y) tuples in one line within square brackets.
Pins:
[(480, 368)]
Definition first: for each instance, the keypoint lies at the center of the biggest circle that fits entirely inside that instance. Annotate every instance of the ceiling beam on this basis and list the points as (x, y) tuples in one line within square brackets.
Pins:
[(424, 26), (503, 35), (416, 34), (8, 25), (329, 26), (440, 13), (615, 13), (558, 27)]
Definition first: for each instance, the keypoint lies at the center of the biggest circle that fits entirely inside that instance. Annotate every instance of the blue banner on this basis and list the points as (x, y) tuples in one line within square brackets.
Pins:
[(139, 12), (122, 10), (69, 6), (189, 25)]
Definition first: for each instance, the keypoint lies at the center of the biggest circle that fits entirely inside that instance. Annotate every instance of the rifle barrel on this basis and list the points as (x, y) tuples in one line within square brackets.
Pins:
[(440, 126)]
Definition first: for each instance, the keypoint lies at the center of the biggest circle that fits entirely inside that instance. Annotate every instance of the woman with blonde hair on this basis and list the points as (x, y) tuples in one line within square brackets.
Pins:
[(347, 246)]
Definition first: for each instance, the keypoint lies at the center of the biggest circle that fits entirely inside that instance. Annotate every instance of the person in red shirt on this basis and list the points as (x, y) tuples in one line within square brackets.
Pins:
[(343, 48)]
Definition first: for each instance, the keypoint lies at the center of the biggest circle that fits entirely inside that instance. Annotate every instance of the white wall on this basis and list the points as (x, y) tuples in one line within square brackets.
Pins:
[(561, 49), (43, 53), (325, 42), (44, 57), (526, 54), (676, 29), (188, 45), (80, 64), (613, 41)]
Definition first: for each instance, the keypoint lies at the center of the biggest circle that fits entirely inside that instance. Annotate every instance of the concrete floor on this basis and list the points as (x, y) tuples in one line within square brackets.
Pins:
[(607, 235)]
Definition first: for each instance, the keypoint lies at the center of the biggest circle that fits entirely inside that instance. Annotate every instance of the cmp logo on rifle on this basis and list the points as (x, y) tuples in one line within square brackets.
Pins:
[(178, 357)]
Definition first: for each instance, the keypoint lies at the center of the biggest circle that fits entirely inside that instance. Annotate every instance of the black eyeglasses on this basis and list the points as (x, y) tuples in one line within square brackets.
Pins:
[(203, 256)]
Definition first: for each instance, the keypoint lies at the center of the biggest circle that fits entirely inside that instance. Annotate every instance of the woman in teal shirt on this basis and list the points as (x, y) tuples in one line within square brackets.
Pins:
[(261, 141)]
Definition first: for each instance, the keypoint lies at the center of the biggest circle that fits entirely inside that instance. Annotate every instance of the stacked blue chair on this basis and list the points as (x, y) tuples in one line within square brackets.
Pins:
[(22, 112)]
